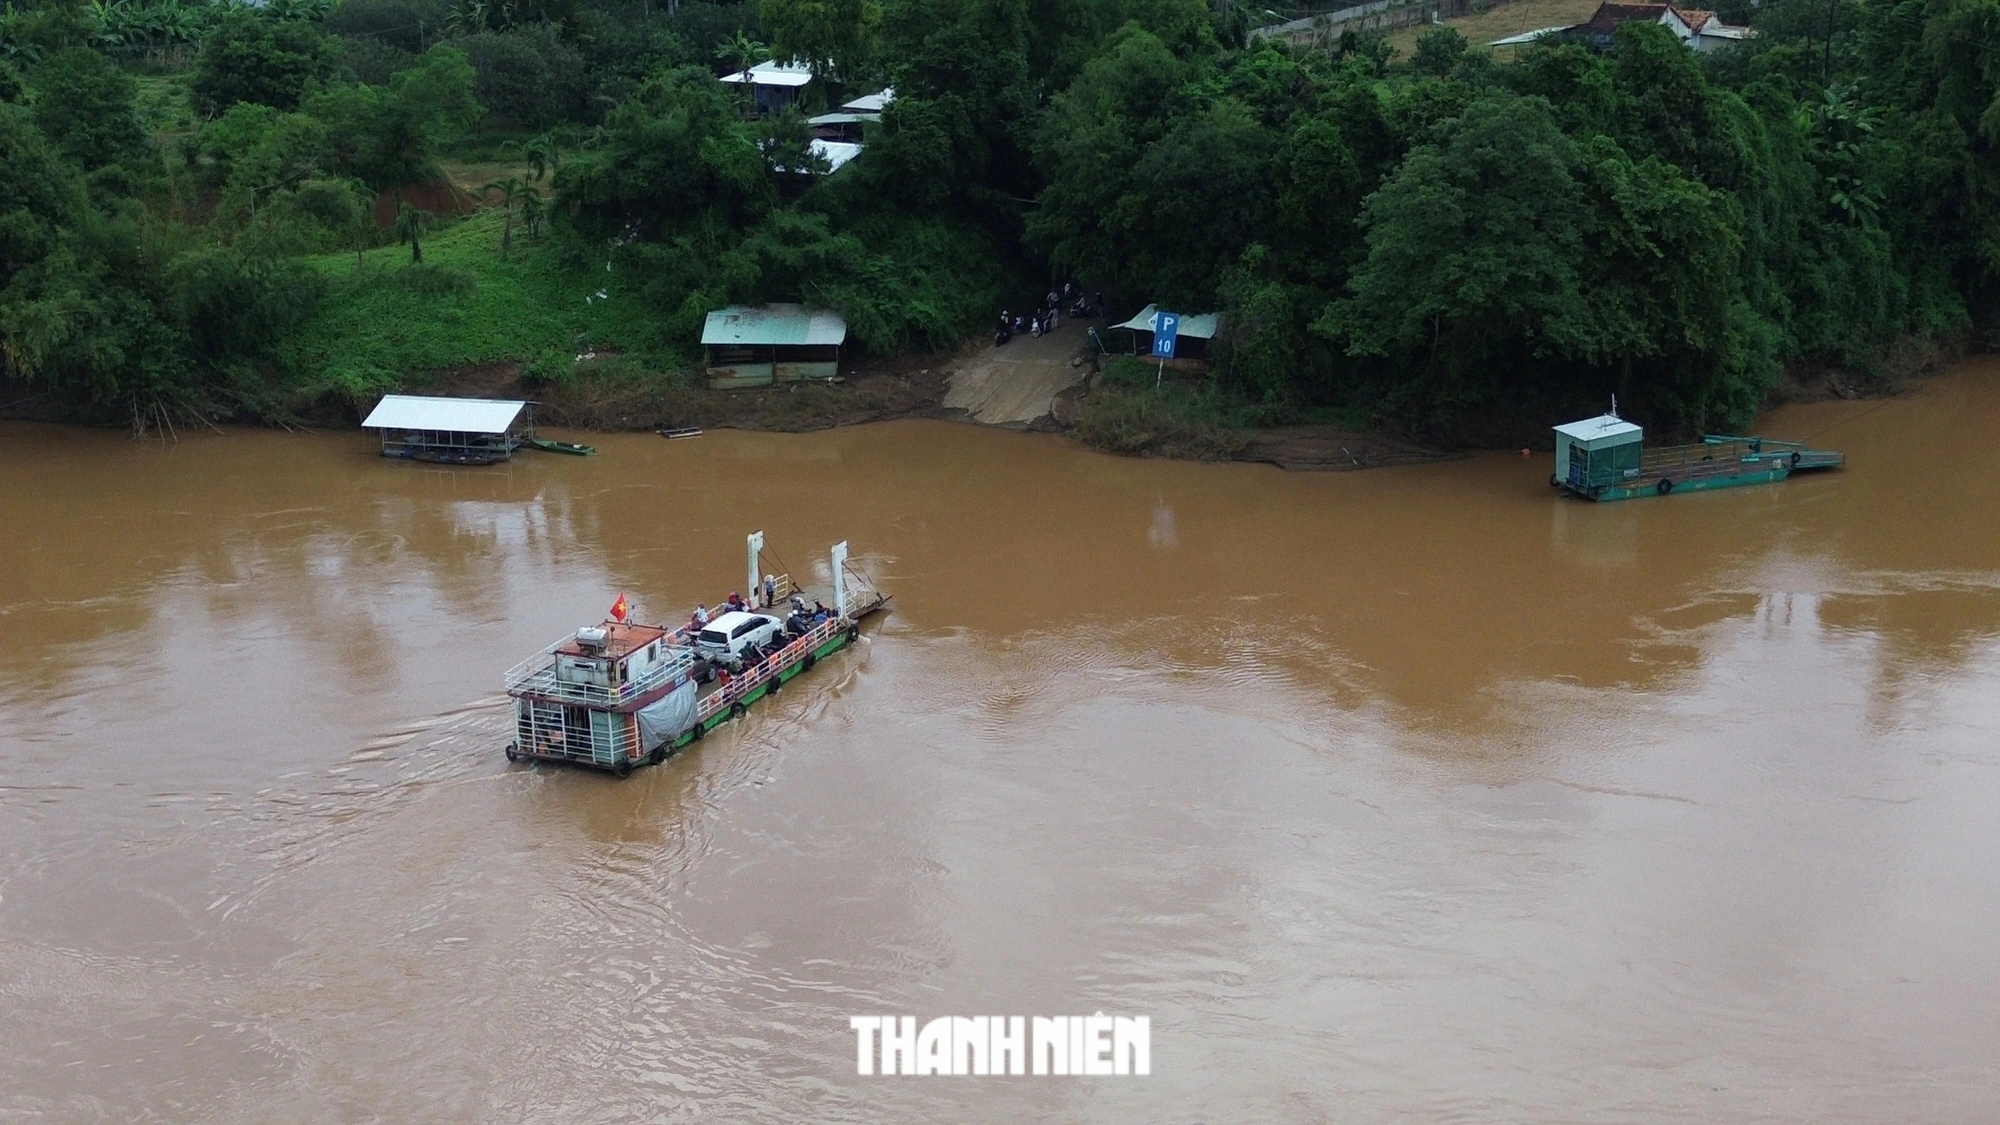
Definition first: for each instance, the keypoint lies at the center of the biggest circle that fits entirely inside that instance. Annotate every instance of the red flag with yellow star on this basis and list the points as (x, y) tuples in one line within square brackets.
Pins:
[(619, 609)]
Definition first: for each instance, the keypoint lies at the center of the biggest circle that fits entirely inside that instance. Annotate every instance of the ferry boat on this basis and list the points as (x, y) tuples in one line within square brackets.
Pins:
[(621, 694), (1604, 458)]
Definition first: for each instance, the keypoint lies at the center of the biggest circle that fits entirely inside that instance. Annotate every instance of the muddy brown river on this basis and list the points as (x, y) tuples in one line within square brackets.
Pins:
[(1416, 794)]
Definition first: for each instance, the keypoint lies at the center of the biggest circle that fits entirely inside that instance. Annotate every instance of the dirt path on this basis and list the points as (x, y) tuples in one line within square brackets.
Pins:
[(1017, 382)]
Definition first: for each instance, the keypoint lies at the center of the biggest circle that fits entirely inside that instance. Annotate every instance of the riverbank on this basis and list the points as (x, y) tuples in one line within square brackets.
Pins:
[(1033, 383)]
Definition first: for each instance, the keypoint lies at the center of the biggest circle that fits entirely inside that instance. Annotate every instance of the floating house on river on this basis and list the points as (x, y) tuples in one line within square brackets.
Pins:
[(756, 347), (453, 431)]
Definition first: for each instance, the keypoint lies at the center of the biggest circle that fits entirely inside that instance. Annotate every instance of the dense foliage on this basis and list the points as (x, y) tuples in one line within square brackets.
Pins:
[(1448, 245)]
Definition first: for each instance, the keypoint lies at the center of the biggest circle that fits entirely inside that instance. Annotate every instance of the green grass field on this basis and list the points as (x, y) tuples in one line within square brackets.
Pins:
[(384, 324)]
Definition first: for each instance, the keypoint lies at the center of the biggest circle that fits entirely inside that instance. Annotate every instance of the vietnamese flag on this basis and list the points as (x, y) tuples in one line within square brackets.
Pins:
[(618, 609)]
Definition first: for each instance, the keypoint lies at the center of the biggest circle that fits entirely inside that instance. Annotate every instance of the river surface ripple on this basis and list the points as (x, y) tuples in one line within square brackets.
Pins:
[(1416, 794)]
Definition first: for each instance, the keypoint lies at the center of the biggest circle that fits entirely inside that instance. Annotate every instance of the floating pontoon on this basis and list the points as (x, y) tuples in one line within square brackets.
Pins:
[(1604, 458)]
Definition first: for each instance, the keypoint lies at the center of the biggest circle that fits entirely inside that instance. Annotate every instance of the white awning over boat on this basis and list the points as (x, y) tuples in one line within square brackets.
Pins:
[(453, 415)]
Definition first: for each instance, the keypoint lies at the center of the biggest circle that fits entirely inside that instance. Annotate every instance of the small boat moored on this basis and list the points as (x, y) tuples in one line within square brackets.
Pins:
[(622, 694), (1604, 458), (574, 449)]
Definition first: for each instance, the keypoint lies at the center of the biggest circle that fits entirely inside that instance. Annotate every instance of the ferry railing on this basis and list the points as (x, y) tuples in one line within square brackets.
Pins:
[(542, 730), (1716, 454), (717, 701), (536, 676)]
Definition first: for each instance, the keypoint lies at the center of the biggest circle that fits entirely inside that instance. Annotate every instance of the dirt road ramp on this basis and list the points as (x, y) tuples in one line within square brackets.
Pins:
[(1017, 382)]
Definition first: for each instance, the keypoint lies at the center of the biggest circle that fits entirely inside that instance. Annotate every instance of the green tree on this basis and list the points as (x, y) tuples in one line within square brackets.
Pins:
[(675, 159), (742, 52), (534, 210), (829, 36), (1473, 262), (411, 224), (1438, 51), (87, 109), (250, 56), (387, 136), (514, 195)]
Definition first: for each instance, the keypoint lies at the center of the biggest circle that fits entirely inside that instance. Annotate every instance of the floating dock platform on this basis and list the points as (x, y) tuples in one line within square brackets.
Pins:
[(1605, 458)]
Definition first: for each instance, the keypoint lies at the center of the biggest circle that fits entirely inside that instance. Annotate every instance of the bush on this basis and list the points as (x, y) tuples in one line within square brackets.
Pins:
[(526, 76), (88, 108), (1127, 413), (259, 59)]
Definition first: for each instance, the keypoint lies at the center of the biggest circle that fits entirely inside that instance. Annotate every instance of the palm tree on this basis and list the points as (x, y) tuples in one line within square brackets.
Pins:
[(533, 210), (745, 52), (512, 191), (410, 226)]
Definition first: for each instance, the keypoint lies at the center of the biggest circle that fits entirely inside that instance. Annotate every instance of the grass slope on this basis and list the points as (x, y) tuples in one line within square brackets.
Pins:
[(385, 324), (1499, 22)]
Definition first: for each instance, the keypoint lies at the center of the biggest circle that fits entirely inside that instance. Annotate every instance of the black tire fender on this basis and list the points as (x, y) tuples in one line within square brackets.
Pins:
[(1796, 459), (624, 767), (1665, 486), (513, 755), (700, 731), (809, 661), (853, 633), (737, 709)]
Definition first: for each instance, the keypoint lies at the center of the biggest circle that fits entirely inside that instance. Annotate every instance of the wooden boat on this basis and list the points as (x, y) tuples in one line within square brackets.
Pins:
[(678, 431), (1604, 458), (572, 448), (622, 694)]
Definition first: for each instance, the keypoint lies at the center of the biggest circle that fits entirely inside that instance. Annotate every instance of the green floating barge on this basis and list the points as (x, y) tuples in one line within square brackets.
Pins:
[(1605, 458), (623, 694)]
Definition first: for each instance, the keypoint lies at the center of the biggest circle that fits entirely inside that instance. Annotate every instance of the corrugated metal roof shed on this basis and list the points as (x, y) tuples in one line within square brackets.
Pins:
[(843, 118), (1598, 428), (773, 325), (772, 74), (1198, 326), (872, 103), (836, 153), (453, 415), (1527, 36)]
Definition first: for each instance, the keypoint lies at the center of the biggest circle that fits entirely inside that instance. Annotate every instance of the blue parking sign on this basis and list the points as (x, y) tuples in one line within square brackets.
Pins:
[(1166, 326)]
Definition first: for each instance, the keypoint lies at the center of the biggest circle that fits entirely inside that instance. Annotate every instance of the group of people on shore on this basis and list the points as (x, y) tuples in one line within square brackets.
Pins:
[(1048, 314)]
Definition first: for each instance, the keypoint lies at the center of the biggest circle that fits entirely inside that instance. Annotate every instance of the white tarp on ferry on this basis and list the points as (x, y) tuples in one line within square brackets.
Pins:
[(663, 721)]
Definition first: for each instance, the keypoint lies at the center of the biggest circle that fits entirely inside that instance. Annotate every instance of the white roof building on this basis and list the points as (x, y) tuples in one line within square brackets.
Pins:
[(773, 325), (872, 103), (1598, 429), (772, 74), (444, 415)]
